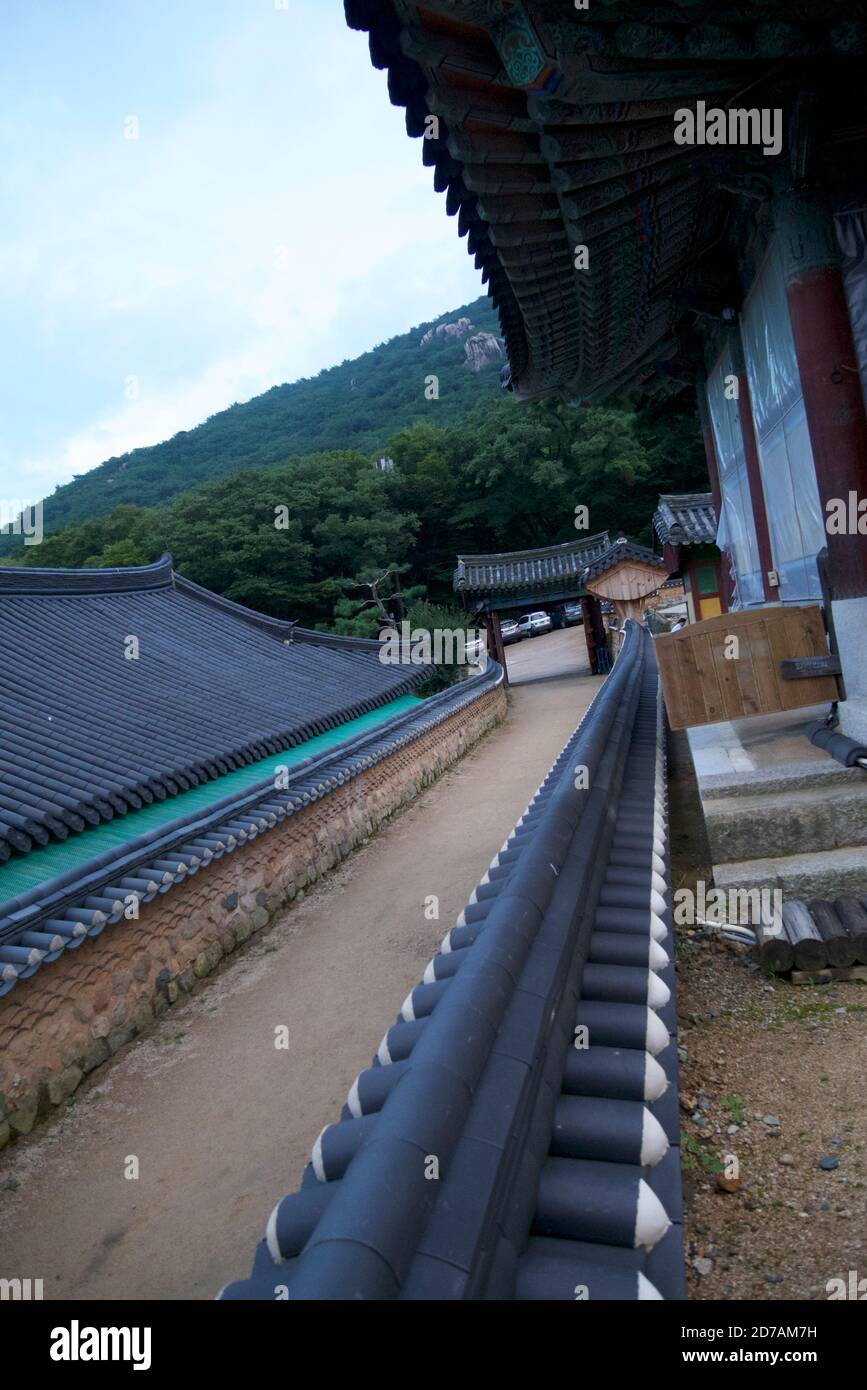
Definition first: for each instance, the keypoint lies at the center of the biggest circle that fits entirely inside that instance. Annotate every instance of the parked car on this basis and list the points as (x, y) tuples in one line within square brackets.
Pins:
[(510, 631), (572, 613), (672, 613), (532, 624)]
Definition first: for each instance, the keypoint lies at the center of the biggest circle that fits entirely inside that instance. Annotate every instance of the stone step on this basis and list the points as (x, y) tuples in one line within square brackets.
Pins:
[(768, 781), (825, 817), (828, 873)]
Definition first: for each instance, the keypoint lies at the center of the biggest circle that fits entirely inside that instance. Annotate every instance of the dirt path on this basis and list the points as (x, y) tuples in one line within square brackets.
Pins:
[(221, 1121)]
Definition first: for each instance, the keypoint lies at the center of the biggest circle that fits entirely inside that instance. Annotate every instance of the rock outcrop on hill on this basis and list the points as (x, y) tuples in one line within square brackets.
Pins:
[(359, 405), (483, 349), (458, 329)]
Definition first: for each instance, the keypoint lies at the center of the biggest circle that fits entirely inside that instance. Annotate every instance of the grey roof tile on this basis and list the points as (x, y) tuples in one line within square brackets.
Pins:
[(60, 913), (621, 549), (522, 569), (685, 518), (91, 733)]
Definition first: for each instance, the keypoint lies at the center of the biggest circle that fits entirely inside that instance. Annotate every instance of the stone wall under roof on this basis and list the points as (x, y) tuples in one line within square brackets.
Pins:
[(60, 1025)]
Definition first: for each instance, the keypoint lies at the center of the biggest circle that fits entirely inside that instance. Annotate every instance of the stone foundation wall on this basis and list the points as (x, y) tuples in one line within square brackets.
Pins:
[(72, 1015)]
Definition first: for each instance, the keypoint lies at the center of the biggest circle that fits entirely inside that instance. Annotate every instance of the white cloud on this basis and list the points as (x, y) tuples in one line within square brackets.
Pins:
[(156, 257), (155, 417)]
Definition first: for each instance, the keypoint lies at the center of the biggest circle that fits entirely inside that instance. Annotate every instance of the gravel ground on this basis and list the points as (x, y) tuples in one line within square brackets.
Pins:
[(771, 1074)]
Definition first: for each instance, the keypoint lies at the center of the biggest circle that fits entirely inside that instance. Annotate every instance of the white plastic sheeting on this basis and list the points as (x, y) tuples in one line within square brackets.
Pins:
[(852, 238), (737, 528), (794, 511)]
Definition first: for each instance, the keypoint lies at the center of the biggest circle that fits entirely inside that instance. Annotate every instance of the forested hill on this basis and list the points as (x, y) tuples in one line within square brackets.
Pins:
[(358, 405), (303, 538)]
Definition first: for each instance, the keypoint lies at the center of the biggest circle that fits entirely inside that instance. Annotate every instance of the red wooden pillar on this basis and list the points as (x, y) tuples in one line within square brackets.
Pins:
[(828, 367), (754, 472)]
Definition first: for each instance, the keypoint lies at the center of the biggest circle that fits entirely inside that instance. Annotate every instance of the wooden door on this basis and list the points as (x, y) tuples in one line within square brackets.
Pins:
[(705, 587)]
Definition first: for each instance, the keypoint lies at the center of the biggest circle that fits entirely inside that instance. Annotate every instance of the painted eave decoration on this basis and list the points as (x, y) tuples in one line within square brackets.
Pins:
[(555, 130)]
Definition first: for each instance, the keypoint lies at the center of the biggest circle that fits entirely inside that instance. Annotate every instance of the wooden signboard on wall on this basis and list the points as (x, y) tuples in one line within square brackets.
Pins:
[(707, 678)]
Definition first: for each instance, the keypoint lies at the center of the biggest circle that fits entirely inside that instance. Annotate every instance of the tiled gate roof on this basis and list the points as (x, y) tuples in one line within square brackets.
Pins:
[(525, 569)]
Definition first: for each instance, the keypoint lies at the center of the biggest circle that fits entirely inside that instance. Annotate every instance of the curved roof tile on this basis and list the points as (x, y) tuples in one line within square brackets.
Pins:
[(124, 686), (516, 569), (622, 549), (685, 518)]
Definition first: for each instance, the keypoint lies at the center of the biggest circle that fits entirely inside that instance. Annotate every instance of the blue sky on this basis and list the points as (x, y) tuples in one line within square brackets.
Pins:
[(271, 218)]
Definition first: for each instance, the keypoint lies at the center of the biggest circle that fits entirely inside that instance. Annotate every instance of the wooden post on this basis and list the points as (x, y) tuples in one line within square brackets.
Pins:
[(828, 367), (840, 949), (603, 658), (495, 635), (802, 932), (595, 635), (589, 636), (776, 953), (854, 919)]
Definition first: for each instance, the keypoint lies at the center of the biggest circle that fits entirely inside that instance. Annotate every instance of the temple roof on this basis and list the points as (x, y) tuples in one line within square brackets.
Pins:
[(622, 549), (556, 130), (122, 687), (526, 569), (685, 518)]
